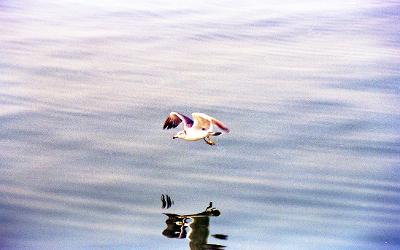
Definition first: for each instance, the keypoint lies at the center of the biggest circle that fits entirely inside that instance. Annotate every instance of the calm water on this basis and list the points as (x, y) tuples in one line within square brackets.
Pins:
[(309, 90)]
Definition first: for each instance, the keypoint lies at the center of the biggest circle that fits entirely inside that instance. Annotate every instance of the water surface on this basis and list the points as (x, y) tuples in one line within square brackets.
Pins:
[(309, 90)]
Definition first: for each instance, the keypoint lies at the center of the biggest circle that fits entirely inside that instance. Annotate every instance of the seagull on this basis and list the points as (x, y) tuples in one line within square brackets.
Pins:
[(201, 127)]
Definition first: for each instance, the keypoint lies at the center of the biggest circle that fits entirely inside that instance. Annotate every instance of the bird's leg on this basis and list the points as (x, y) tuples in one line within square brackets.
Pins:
[(208, 141)]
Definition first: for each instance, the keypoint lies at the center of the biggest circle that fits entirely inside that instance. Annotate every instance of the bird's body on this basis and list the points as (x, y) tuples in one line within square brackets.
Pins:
[(201, 127)]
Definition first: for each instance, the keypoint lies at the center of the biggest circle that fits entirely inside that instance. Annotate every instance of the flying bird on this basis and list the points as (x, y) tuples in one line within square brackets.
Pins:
[(201, 127)]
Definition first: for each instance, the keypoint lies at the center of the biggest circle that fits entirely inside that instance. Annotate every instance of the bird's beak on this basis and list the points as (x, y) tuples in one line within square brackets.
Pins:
[(174, 137)]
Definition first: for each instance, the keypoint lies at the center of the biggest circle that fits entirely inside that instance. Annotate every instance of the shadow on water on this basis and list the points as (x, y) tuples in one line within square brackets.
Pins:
[(194, 227)]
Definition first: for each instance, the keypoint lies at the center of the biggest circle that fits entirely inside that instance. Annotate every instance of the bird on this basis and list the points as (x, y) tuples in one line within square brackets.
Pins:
[(201, 127)]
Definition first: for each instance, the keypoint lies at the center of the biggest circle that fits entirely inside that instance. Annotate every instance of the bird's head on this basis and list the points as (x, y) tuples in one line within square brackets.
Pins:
[(180, 134)]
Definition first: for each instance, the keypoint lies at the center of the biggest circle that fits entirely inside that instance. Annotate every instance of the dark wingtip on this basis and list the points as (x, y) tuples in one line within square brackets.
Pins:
[(225, 129), (164, 203), (166, 123), (169, 202)]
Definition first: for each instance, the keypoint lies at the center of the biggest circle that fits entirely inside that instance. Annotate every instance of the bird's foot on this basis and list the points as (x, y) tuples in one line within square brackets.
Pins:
[(209, 142)]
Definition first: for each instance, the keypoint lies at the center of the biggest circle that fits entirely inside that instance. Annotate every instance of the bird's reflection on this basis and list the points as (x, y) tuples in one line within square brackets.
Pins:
[(194, 227)]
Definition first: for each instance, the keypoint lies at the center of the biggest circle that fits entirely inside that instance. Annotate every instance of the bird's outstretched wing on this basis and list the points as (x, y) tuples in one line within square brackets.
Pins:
[(175, 118), (203, 121)]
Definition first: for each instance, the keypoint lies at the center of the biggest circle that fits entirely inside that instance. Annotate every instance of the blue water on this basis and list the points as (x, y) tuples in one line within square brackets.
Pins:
[(309, 90)]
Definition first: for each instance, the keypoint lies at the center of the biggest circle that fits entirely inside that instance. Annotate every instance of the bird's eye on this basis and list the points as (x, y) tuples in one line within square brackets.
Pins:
[(203, 129)]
